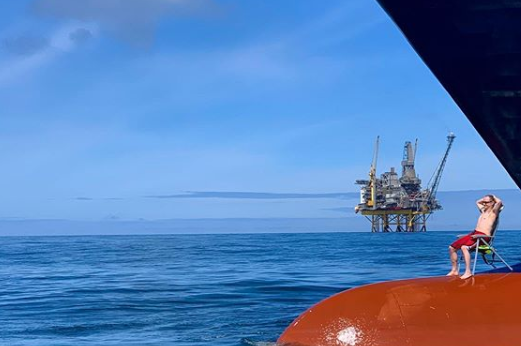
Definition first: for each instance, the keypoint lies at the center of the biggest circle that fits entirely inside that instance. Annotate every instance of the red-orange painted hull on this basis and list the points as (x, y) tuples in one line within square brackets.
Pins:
[(435, 311)]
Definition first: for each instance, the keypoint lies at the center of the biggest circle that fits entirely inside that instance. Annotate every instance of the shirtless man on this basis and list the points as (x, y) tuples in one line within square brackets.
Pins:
[(489, 206)]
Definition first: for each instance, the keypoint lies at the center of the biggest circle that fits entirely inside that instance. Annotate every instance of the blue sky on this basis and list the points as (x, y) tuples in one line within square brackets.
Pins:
[(107, 105)]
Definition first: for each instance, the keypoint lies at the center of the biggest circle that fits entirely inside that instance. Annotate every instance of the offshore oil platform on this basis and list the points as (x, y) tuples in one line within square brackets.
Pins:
[(398, 203)]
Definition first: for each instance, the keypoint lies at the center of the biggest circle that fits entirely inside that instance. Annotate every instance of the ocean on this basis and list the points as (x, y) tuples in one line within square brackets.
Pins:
[(220, 289)]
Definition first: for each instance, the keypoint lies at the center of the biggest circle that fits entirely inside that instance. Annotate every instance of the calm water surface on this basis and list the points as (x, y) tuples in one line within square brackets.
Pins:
[(196, 289)]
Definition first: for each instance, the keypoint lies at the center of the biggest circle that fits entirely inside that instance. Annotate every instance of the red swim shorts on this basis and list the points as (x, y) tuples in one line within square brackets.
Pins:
[(467, 240)]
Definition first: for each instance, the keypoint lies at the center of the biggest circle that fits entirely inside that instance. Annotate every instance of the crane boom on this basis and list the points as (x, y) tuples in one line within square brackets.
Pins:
[(375, 154), (436, 177)]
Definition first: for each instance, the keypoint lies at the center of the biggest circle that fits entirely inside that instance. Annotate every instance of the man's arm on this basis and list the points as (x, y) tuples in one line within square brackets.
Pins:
[(498, 205), (479, 204)]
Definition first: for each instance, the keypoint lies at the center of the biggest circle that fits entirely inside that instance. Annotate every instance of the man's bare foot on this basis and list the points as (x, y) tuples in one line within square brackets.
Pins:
[(465, 276), (453, 273)]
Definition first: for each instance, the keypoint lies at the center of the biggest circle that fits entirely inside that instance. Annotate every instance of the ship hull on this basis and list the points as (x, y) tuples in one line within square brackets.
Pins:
[(473, 47), (418, 312)]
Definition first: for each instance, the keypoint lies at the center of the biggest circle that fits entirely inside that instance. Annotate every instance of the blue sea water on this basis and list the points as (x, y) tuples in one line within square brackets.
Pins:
[(196, 289)]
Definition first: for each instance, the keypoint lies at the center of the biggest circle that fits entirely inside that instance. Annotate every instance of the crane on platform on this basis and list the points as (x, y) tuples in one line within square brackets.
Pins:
[(434, 182)]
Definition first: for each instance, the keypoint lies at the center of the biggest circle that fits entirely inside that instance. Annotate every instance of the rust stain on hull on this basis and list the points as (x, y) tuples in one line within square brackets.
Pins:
[(418, 312)]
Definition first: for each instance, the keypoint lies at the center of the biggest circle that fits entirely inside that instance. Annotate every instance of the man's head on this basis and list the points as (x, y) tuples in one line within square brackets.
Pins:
[(488, 201)]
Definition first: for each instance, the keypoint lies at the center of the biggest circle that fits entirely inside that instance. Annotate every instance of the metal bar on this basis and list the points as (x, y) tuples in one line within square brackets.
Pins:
[(475, 257), (498, 255)]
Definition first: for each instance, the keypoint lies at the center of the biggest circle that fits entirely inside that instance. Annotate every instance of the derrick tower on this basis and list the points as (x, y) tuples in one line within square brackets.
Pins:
[(393, 203)]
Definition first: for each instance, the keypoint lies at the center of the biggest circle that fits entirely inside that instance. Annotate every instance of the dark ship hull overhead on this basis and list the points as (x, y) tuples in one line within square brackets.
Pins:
[(473, 47)]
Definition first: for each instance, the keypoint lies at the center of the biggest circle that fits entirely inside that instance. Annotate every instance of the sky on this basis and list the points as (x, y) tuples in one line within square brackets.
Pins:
[(187, 109)]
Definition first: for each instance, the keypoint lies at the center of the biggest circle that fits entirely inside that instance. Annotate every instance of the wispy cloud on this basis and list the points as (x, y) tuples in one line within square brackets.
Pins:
[(301, 50), (83, 199), (132, 20), (25, 44), (87, 199), (259, 195), (336, 25), (34, 52), (80, 35)]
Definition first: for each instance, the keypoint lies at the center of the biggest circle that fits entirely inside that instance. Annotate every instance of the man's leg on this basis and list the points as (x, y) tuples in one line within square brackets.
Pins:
[(466, 256), (454, 261)]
